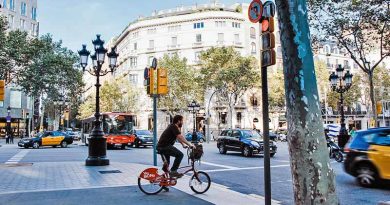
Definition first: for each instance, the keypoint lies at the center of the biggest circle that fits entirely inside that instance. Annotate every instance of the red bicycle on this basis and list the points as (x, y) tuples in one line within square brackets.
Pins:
[(151, 182)]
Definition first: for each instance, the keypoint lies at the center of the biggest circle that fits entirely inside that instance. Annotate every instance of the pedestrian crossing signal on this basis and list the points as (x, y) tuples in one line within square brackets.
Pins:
[(162, 81)]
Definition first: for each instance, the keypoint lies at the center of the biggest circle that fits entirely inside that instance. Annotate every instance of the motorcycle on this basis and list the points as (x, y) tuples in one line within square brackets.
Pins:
[(334, 150)]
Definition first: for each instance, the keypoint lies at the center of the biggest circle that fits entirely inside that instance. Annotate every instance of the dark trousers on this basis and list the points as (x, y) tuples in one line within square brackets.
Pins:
[(174, 152)]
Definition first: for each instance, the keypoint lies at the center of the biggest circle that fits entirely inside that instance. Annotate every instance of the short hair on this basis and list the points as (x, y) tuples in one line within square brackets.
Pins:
[(177, 118)]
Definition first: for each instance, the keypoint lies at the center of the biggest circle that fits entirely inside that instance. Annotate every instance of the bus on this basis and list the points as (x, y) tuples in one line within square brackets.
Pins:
[(117, 128)]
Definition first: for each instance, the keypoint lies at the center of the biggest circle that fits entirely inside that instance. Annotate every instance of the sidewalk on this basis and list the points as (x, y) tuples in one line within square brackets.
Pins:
[(70, 181)]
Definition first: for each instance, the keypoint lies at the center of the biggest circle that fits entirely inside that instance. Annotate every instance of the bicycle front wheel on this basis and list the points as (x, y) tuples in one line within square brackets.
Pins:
[(200, 182), (148, 187)]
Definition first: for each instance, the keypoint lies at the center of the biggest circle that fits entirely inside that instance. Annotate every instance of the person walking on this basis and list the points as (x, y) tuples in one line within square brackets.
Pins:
[(11, 137), (6, 138)]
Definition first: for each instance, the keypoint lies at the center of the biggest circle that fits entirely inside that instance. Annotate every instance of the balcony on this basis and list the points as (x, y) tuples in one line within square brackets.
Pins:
[(238, 44), (197, 44), (220, 43), (151, 50), (173, 47)]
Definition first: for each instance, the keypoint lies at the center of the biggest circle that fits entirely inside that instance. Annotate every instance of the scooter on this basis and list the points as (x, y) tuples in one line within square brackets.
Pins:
[(334, 150)]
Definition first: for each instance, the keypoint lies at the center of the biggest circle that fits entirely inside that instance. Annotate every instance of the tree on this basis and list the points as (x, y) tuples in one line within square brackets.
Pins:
[(224, 69), (276, 98), (313, 178), (362, 28), (183, 85)]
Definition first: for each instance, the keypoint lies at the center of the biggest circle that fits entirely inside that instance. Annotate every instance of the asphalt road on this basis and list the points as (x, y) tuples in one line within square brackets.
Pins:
[(240, 174)]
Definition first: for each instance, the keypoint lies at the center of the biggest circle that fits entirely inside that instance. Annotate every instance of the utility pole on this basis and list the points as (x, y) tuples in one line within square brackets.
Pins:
[(313, 177)]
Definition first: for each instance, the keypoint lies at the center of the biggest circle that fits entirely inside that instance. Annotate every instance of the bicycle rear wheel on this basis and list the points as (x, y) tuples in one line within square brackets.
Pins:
[(148, 187), (200, 182)]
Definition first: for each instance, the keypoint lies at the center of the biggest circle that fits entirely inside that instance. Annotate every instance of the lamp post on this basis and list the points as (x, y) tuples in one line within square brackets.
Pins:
[(209, 116), (27, 124), (194, 108), (62, 103), (97, 146), (341, 83), (8, 119)]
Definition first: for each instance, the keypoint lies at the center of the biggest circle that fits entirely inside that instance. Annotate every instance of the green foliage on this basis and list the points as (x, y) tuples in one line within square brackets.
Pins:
[(183, 84), (351, 96), (276, 98)]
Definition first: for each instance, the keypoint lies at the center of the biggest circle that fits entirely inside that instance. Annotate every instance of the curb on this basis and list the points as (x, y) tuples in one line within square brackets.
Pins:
[(384, 203)]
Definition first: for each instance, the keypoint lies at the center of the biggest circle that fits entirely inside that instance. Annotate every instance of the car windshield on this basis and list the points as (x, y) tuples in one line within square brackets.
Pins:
[(143, 132), (251, 134)]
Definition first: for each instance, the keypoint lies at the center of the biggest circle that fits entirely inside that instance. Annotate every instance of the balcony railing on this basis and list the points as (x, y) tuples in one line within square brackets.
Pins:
[(197, 44), (173, 47)]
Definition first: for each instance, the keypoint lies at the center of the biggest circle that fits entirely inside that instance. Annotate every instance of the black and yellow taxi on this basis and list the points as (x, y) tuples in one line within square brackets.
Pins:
[(48, 138), (368, 156)]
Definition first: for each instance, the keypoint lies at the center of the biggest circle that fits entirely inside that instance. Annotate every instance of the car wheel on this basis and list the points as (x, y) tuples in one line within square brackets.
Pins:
[(272, 154), (136, 144), (366, 175), (55, 146), (201, 140), (338, 156), (123, 146), (222, 149), (247, 151), (64, 144), (36, 145), (25, 146)]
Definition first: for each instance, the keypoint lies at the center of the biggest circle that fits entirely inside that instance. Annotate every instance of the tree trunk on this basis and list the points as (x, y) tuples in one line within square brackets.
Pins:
[(313, 178), (372, 97)]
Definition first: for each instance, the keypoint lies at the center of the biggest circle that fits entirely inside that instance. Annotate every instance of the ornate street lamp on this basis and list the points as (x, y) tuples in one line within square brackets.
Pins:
[(27, 124), (8, 119), (62, 103), (194, 108), (341, 83), (97, 145)]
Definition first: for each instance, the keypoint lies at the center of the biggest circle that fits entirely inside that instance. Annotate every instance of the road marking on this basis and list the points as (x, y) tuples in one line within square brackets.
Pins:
[(17, 157), (263, 198), (219, 165), (244, 168), (278, 160)]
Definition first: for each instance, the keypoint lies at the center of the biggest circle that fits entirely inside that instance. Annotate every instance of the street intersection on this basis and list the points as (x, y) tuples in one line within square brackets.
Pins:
[(47, 174)]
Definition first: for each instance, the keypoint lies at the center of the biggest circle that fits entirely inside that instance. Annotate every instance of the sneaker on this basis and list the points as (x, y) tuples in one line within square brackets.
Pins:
[(175, 174), (166, 189)]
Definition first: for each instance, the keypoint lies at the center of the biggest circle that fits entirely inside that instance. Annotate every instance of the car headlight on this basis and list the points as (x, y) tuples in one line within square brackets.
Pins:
[(255, 144)]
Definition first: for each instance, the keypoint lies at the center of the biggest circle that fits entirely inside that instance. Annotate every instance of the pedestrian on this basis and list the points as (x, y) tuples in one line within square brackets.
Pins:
[(6, 138), (11, 137), (352, 131), (32, 133)]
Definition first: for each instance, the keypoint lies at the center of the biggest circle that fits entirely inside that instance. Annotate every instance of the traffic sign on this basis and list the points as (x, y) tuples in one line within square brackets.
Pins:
[(268, 9), (255, 11)]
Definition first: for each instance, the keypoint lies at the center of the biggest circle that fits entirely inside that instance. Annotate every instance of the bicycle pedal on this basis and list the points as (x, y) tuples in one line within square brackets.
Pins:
[(166, 189)]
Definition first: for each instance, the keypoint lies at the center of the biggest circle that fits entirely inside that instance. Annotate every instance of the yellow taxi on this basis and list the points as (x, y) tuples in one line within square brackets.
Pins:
[(49, 138)]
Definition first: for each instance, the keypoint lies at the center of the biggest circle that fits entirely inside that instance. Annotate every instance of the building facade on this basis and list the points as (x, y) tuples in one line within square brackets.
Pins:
[(20, 15)]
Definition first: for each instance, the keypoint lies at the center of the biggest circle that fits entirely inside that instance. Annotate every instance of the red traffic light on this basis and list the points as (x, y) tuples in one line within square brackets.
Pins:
[(267, 25)]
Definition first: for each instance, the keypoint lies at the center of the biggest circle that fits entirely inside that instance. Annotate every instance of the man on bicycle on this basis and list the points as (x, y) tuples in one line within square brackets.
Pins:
[(167, 140)]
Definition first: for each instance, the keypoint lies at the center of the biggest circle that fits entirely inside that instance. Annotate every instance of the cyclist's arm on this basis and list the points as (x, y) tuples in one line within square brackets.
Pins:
[(183, 140)]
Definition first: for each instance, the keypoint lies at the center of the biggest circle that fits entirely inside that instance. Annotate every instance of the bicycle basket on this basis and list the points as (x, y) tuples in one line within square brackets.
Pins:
[(197, 153)]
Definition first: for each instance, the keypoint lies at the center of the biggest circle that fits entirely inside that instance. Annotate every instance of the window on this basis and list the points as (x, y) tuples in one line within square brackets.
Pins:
[(23, 8), (236, 38), (236, 134), (253, 32), (346, 64), (222, 117), (135, 46), (133, 79), (254, 101), (15, 99), (174, 28), (12, 5), (382, 139), (152, 31), (11, 21), (151, 43), (150, 60), (239, 118), (34, 13), (253, 48), (22, 24), (236, 25), (198, 25), (326, 49), (198, 38), (220, 24), (33, 29), (220, 37), (135, 34), (5, 4), (133, 62), (174, 41), (197, 56)]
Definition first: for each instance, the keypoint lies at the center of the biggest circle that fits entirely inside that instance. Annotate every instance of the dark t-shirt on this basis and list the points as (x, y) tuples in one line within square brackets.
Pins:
[(168, 137)]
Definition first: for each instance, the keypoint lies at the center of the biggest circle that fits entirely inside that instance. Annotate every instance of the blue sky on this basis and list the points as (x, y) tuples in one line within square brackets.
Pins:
[(78, 21)]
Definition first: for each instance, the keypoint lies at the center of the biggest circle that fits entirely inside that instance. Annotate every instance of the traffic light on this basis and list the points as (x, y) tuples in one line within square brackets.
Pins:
[(149, 80), (379, 109), (66, 115), (2, 90), (162, 81), (268, 54)]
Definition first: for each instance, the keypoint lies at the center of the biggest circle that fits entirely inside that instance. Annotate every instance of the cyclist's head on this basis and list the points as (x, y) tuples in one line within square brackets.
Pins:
[(178, 120)]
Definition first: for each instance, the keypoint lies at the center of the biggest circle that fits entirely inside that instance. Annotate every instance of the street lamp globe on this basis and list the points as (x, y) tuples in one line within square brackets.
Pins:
[(101, 54), (84, 53), (333, 79), (348, 79), (98, 43), (112, 58), (9, 110), (94, 60), (340, 71)]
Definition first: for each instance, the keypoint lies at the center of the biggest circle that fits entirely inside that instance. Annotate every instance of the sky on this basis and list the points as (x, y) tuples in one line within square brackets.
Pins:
[(77, 22)]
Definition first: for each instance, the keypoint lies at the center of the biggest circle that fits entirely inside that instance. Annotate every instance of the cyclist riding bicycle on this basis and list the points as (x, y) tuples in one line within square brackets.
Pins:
[(167, 140)]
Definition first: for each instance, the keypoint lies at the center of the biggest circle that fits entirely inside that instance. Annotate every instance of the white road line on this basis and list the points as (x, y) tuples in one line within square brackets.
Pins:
[(218, 165), (17, 157), (244, 168), (263, 198), (278, 160)]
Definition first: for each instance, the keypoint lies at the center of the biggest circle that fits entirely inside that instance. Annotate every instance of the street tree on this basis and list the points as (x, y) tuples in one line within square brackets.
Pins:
[(313, 177), (183, 84), (276, 97), (225, 70), (362, 28)]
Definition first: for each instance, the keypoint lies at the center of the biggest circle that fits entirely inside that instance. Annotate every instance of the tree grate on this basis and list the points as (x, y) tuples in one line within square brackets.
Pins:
[(110, 172)]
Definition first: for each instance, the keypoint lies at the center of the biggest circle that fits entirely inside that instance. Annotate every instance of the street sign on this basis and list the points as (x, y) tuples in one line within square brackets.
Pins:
[(154, 63), (255, 11), (269, 9)]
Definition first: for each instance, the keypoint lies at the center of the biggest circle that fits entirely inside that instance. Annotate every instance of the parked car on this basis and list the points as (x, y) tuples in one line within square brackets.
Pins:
[(74, 135), (48, 138), (248, 142), (200, 137), (119, 139), (368, 156), (142, 138)]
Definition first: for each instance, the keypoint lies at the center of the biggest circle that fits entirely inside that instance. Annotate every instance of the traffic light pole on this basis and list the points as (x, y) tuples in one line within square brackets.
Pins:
[(155, 129), (267, 164)]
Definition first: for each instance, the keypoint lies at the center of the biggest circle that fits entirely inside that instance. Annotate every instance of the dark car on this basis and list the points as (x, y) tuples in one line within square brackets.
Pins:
[(74, 135), (368, 156), (200, 137), (143, 138), (248, 142), (49, 138)]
